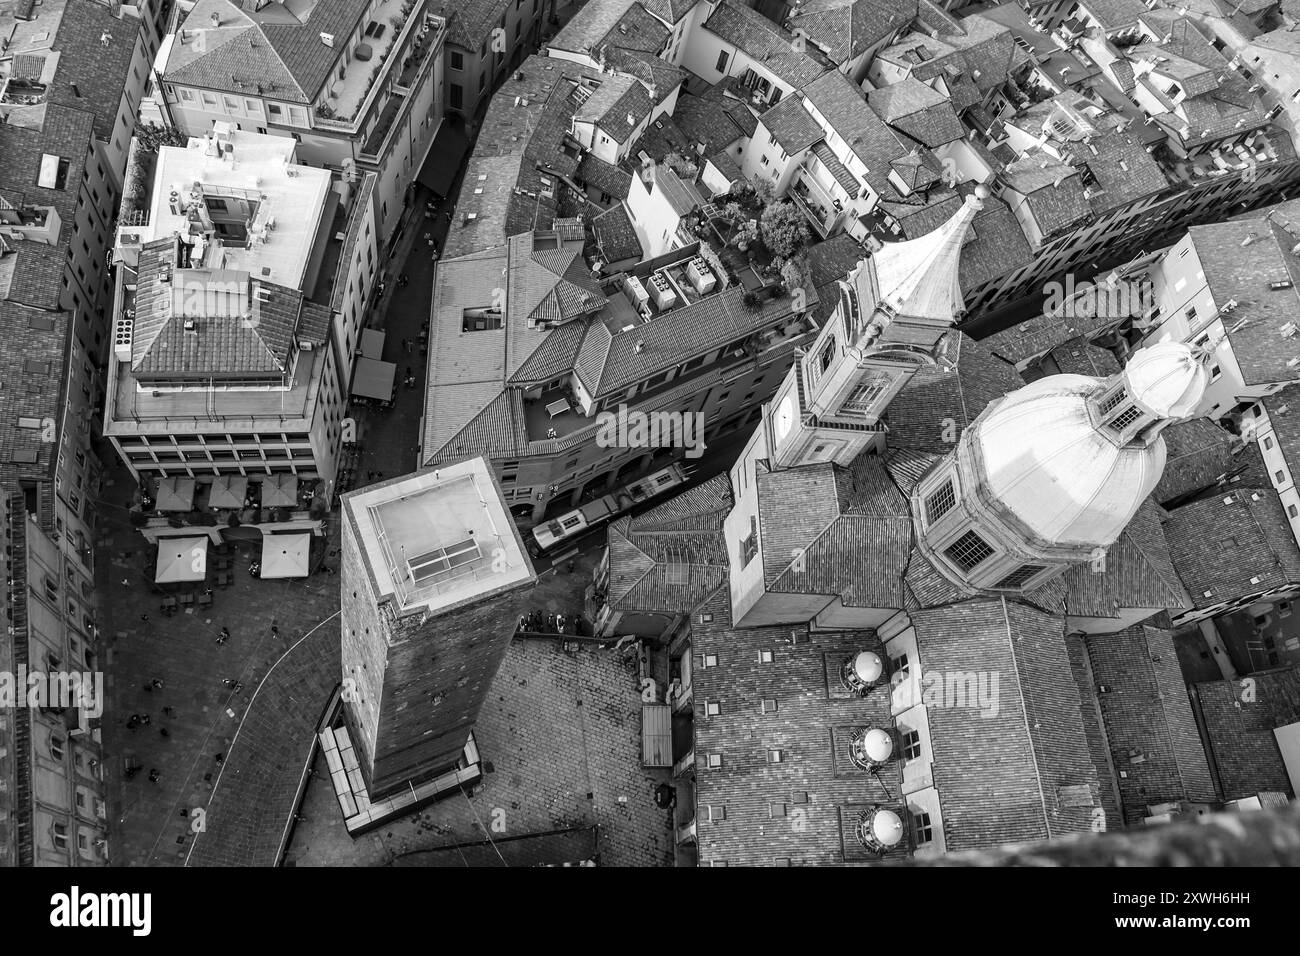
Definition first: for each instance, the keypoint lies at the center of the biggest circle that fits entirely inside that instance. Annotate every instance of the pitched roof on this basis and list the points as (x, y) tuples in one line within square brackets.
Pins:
[(791, 125), (270, 49), (1198, 454), (1154, 744), (616, 236), (617, 107), (848, 28), (765, 42), (1218, 544), (1136, 572), (849, 538), (1240, 259), (920, 111), (941, 400), (1242, 741), (1046, 782), (606, 177), (868, 137), (1052, 190)]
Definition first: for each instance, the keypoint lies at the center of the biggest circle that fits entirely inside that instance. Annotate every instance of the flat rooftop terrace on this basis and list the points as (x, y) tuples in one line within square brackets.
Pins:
[(439, 538)]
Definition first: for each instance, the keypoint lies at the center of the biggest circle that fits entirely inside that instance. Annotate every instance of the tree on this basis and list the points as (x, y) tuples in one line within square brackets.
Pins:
[(763, 193), (682, 166), (746, 234), (784, 229), (795, 272), (152, 136)]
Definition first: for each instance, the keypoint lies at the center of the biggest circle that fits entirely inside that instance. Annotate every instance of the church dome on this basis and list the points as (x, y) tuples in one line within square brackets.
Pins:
[(1167, 379), (1045, 459)]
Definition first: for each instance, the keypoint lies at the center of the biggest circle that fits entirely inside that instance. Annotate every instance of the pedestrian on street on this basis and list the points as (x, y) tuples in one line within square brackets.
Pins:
[(220, 757), (126, 582), (224, 636), (164, 731), (145, 618), (144, 719), (134, 722), (169, 711), (275, 631), (154, 775), (157, 684)]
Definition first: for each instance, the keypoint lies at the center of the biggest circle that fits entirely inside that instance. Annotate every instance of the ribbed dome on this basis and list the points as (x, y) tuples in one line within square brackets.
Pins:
[(919, 277), (1047, 462), (1167, 378)]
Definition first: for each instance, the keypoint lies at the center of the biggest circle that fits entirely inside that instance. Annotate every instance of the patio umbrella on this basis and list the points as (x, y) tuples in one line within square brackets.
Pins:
[(175, 494), (228, 492), (182, 559), (280, 491), (285, 555)]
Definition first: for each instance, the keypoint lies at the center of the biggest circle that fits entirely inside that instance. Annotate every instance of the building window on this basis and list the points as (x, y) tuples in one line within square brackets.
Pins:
[(1280, 476), (61, 836), (968, 551), (911, 745), (1292, 510), (712, 708), (1125, 418), (923, 828), (864, 396), (898, 665), (827, 355), (765, 657), (1112, 403), (1268, 442), (1020, 576), (714, 761), (456, 60), (721, 66), (940, 502), (56, 747), (749, 546), (454, 96)]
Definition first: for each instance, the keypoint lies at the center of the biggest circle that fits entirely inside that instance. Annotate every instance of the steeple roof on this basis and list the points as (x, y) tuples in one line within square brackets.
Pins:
[(920, 277)]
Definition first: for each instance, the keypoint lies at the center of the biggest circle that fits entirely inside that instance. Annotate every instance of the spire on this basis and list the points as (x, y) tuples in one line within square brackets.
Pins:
[(919, 277)]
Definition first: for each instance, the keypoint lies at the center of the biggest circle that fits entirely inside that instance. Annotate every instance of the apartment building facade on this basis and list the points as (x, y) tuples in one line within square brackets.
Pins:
[(357, 85)]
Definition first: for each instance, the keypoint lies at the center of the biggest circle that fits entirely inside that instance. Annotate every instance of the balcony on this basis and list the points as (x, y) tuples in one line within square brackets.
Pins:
[(391, 34), (687, 763), (816, 202), (553, 415)]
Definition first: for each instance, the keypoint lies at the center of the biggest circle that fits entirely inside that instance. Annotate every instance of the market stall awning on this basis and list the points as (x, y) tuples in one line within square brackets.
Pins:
[(181, 559), (280, 491), (285, 555), (175, 494), (372, 344), (374, 379), (228, 492)]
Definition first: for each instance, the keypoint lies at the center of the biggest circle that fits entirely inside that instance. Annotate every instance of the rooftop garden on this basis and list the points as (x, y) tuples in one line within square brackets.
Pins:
[(756, 234)]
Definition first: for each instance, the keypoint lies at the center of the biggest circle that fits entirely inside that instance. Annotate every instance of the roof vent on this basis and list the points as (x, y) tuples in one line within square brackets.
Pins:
[(326, 38), (870, 748), (862, 671), (879, 830), (640, 346)]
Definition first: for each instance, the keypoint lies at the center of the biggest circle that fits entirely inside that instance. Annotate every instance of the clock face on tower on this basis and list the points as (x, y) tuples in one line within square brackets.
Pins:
[(784, 417)]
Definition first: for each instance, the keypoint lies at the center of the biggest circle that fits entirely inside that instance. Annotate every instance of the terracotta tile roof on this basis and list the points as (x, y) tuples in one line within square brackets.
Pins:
[(812, 726), (918, 110), (845, 107), (1197, 454), (1241, 736), (1148, 720), (848, 28), (1137, 573), (941, 400), (1052, 190), (1244, 272), (92, 75), (266, 49), (1035, 736), (32, 383), (766, 43), (709, 120), (849, 538), (1217, 548), (793, 127), (616, 236)]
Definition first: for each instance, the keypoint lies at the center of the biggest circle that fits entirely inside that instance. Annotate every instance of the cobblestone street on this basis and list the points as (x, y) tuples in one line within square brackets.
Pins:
[(561, 733)]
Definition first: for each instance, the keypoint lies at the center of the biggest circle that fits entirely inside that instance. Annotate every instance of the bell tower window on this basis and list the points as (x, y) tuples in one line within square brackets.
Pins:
[(969, 551), (826, 356), (865, 395), (1125, 418)]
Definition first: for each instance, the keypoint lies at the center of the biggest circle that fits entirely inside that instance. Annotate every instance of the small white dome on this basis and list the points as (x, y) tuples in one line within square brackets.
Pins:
[(877, 745), (887, 828), (1167, 379), (1045, 461), (868, 667)]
